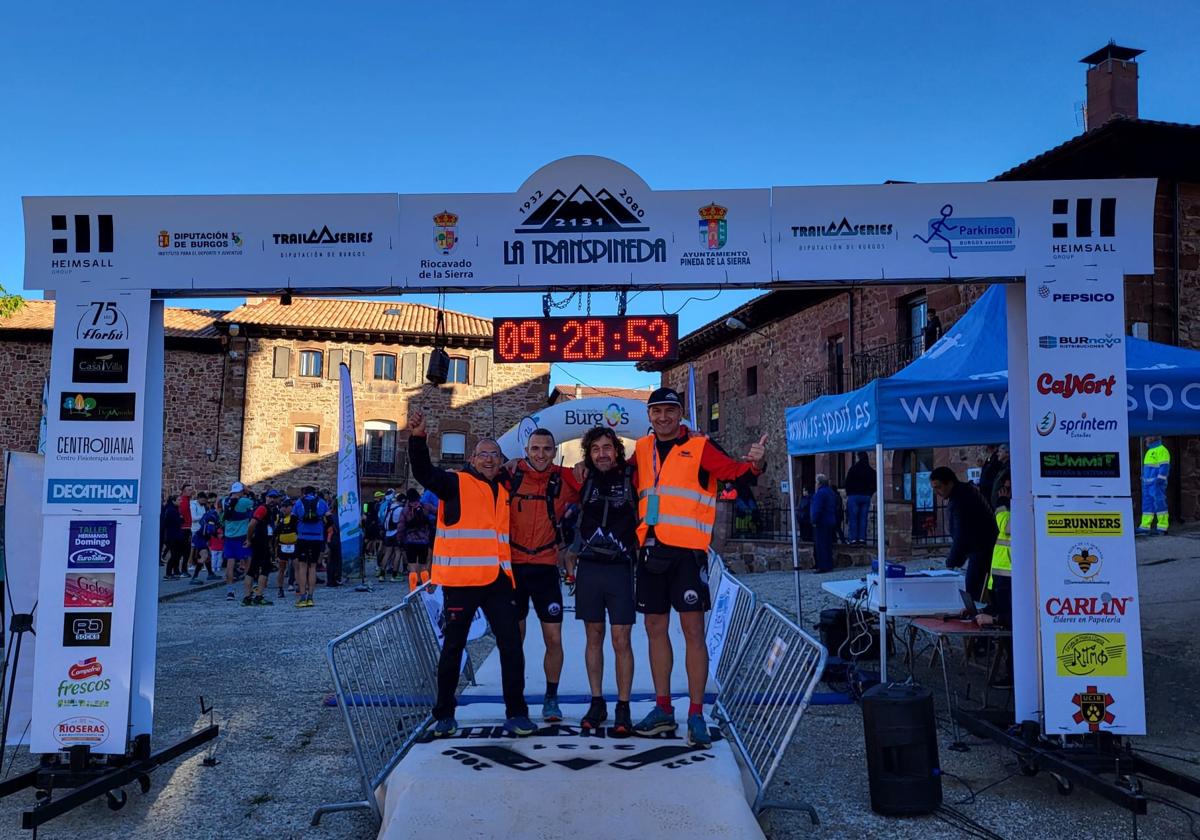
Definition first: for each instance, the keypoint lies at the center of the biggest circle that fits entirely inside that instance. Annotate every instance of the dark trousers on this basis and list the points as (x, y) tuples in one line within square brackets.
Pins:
[(176, 560), (333, 568), (460, 604), (823, 547), (979, 566)]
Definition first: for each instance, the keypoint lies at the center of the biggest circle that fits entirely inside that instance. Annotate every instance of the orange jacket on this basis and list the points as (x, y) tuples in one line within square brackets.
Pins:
[(687, 509), (473, 550), (534, 534)]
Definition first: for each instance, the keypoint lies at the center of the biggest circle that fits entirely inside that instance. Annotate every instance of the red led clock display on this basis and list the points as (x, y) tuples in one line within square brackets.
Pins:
[(595, 338)]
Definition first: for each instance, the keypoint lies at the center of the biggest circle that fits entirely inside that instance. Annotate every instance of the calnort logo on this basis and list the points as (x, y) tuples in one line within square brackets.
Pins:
[(1072, 384), (1084, 524), (92, 364), (1091, 654), (81, 730), (123, 491), (1080, 464), (87, 629), (953, 236)]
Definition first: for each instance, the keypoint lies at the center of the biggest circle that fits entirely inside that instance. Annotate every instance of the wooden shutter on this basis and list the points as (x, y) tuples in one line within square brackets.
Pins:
[(334, 357), (283, 362), (356, 365), (408, 369), (479, 376), (424, 367)]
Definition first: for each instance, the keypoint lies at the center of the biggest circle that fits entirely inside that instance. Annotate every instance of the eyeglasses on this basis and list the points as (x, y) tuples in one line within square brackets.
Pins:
[(488, 454)]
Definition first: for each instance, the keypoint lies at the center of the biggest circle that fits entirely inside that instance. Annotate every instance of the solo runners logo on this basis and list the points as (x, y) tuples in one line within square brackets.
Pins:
[(1072, 384), (445, 226), (94, 364), (89, 589), (81, 730), (1080, 464), (1085, 561), (713, 226), (1091, 654), (1084, 524), (86, 668), (1093, 708), (102, 321)]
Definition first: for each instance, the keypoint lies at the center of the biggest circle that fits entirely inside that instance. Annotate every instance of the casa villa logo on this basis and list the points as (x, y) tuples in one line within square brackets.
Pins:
[(91, 365)]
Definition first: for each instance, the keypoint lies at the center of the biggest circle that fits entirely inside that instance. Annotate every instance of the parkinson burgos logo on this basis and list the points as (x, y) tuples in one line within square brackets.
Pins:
[(323, 243), (954, 235), (203, 243)]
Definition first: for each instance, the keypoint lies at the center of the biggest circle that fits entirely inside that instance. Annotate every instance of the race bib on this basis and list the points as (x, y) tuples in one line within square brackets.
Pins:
[(287, 549)]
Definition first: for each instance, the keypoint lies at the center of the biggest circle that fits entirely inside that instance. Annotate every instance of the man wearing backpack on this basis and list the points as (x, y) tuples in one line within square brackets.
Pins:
[(286, 538), (418, 533), (311, 513), (393, 536), (238, 509), (539, 491)]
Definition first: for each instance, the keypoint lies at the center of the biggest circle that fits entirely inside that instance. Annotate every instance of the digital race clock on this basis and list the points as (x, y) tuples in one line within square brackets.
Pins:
[(595, 338)]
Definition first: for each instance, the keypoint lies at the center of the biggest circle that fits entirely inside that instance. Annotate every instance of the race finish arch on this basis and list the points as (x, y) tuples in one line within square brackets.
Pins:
[(580, 222)]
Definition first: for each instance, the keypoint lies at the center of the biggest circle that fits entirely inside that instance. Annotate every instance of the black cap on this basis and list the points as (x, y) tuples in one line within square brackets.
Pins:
[(665, 396)]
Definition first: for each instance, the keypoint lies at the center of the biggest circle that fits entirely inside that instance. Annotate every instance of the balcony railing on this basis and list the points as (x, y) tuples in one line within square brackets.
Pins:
[(878, 362), (818, 383)]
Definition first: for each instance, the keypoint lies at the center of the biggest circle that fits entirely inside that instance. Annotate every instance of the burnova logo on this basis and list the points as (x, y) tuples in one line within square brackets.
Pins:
[(111, 491), (92, 364), (81, 730), (1080, 464), (1072, 384), (81, 241), (1084, 524), (1085, 227), (583, 212), (98, 406), (1091, 654), (1078, 342)]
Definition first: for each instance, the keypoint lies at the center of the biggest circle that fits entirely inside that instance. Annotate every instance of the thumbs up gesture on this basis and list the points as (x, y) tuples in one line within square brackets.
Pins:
[(758, 453)]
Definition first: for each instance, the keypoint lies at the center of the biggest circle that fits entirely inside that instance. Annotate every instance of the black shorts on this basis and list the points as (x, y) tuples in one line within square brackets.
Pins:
[(540, 584), (309, 551), (416, 555), (683, 586), (391, 542), (601, 587), (260, 562)]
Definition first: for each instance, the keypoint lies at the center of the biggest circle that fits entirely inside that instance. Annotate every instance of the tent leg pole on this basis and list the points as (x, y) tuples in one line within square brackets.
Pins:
[(795, 549), (880, 555)]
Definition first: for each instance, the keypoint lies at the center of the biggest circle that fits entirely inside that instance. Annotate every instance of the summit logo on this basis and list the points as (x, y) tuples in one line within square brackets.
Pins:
[(581, 210)]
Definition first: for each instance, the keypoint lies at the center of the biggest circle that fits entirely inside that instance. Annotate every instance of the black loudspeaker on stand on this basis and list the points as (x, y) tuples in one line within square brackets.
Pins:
[(902, 752)]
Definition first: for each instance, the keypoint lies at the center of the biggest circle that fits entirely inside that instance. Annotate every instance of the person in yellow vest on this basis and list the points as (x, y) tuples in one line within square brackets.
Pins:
[(678, 473), (998, 612), (1156, 469), (472, 563)]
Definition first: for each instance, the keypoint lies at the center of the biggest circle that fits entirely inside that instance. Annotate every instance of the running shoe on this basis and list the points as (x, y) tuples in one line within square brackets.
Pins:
[(308, 602), (247, 601), (279, 594), (260, 601), (697, 732), (395, 578), (229, 596), (212, 576), (445, 728), (195, 582), (622, 724), (597, 713), (656, 723), (301, 603), (521, 726), (551, 713)]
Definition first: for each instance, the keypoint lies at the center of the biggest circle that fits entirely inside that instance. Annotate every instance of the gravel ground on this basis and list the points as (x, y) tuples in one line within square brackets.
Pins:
[(282, 752), (826, 764)]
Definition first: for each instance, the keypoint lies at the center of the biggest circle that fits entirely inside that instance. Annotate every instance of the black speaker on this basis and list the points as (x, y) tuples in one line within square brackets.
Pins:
[(902, 753), (832, 628), (439, 366)]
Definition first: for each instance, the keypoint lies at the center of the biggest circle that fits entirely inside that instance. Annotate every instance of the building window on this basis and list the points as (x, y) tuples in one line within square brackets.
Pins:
[(714, 402), (312, 363), (835, 349), (751, 380), (379, 447), (308, 438), (915, 310), (458, 370), (454, 446), (385, 366)]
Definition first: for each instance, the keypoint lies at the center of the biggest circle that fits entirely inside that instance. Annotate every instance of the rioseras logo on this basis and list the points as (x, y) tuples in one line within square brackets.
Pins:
[(1080, 464), (1084, 524), (1090, 654)]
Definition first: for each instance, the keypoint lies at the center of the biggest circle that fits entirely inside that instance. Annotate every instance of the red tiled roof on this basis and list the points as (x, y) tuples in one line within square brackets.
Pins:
[(357, 316), (568, 392), (179, 323)]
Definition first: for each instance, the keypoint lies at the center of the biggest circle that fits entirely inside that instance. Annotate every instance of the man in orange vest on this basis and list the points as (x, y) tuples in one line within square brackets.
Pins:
[(540, 490), (472, 563), (677, 476)]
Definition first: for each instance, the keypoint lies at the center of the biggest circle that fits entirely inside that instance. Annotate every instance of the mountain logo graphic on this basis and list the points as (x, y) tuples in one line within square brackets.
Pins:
[(582, 212)]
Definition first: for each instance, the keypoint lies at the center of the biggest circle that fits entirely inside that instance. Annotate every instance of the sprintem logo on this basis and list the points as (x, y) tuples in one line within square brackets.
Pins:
[(114, 491)]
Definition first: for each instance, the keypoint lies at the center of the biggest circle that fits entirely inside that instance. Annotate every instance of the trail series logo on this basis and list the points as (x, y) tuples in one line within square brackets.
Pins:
[(843, 236), (323, 243), (1093, 708), (583, 212)]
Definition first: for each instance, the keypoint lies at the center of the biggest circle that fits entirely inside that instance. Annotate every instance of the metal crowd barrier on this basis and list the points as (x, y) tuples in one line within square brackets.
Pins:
[(737, 627), (767, 689), (385, 680)]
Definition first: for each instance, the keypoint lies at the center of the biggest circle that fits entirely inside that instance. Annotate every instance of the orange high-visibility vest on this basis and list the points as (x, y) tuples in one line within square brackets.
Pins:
[(686, 508), (472, 551)]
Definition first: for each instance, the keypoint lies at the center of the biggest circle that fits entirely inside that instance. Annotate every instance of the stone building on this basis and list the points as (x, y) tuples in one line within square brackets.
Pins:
[(252, 394), (788, 347)]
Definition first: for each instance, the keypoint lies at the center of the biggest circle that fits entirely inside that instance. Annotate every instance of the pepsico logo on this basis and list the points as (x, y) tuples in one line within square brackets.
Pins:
[(90, 667)]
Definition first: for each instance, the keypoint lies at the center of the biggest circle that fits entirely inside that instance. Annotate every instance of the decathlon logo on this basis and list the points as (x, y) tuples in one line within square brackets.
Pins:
[(115, 491)]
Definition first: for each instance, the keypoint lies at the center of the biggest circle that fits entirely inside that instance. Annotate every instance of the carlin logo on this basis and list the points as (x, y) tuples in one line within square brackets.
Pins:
[(87, 629), (1084, 524), (1103, 610), (90, 365), (583, 212), (1086, 226), (1072, 384), (81, 730), (102, 321), (713, 226), (1081, 464), (89, 589), (1046, 425), (1091, 654), (445, 231), (201, 244), (1085, 561), (81, 242), (103, 407), (1093, 708)]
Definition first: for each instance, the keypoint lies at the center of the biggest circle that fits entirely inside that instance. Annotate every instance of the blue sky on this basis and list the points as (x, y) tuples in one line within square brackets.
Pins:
[(274, 97)]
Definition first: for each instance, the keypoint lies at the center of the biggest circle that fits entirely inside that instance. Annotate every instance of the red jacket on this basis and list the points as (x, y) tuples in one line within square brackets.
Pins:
[(532, 534)]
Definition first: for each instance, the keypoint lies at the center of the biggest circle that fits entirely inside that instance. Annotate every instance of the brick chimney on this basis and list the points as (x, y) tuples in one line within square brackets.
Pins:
[(1112, 84)]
